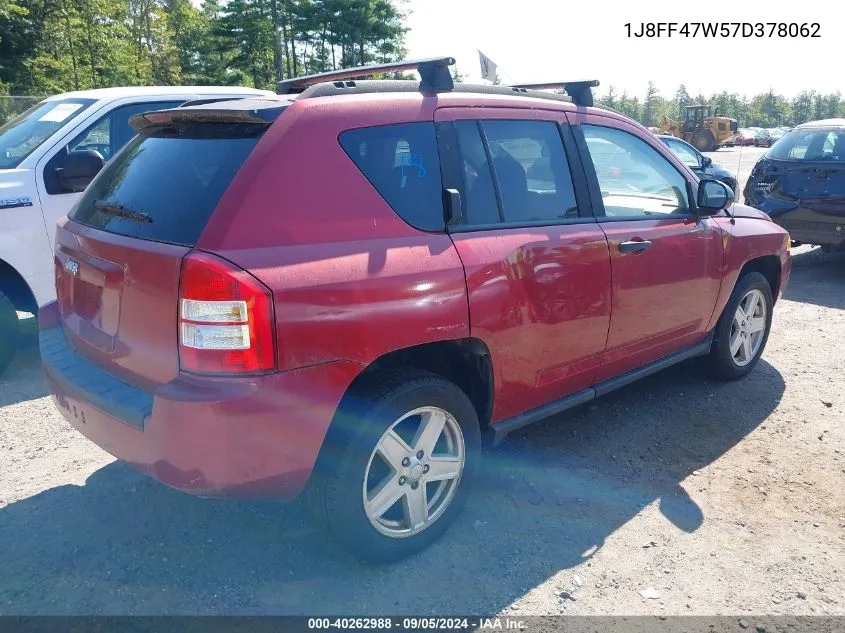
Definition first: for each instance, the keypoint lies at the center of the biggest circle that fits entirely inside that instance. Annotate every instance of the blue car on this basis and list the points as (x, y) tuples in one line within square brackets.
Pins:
[(800, 184)]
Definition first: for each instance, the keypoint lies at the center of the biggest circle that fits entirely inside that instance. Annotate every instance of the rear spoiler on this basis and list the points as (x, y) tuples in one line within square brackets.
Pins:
[(180, 115)]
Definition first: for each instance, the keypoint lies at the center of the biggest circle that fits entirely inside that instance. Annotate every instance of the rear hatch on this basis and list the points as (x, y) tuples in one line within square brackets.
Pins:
[(119, 254), (806, 166), (822, 181)]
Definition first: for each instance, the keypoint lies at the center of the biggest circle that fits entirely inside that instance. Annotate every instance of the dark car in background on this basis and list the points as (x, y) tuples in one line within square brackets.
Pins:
[(702, 165), (763, 138), (800, 183)]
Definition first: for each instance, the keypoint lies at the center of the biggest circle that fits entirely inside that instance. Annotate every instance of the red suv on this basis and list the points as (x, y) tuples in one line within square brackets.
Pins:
[(345, 289)]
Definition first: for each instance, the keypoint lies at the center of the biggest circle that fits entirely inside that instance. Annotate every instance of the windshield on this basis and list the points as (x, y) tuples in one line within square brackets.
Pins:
[(810, 144), (22, 135)]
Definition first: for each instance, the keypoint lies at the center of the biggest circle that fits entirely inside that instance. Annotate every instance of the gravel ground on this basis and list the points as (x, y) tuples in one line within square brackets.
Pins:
[(711, 498)]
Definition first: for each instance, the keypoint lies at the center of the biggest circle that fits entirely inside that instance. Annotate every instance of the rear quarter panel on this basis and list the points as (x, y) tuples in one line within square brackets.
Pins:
[(350, 279), (745, 240)]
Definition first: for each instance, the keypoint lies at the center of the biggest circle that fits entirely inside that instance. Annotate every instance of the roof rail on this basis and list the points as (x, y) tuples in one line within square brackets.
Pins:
[(578, 90), (434, 74)]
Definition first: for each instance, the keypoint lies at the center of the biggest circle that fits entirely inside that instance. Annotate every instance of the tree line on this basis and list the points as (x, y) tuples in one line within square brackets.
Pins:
[(51, 46), (763, 110)]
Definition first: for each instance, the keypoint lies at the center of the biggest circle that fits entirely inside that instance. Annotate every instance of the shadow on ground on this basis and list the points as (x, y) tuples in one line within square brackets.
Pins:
[(550, 496), (23, 379), (817, 278)]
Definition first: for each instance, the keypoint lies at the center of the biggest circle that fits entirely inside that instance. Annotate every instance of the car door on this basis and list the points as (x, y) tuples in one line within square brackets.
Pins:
[(665, 261), (107, 135), (536, 263)]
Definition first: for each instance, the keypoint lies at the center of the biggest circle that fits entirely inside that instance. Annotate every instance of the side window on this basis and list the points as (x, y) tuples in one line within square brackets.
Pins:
[(531, 170), (635, 180), (402, 163), (687, 156), (481, 206), (110, 133), (96, 137)]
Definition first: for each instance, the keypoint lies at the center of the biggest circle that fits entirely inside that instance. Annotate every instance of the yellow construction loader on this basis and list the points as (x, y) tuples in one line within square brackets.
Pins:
[(698, 128)]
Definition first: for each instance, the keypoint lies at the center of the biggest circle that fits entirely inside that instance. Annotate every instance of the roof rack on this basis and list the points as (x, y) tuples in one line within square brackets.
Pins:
[(434, 74), (578, 90)]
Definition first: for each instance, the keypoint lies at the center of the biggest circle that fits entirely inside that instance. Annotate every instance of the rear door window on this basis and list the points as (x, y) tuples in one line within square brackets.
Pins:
[(165, 185), (481, 205), (531, 171), (402, 163)]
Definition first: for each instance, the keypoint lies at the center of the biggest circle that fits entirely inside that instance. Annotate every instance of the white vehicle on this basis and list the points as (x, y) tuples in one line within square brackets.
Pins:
[(48, 155)]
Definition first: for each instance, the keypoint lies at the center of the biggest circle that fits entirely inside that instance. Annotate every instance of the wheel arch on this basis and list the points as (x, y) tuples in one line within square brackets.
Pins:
[(465, 362), (767, 265), (15, 287)]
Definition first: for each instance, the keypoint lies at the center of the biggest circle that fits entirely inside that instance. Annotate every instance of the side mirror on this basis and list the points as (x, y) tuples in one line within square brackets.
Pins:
[(713, 196), (706, 161), (78, 169)]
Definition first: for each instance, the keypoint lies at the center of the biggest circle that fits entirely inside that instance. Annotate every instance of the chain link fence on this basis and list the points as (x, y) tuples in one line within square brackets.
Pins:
[(12, 106)]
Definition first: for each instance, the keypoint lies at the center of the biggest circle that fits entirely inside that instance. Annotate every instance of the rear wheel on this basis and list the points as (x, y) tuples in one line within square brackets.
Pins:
[(9, 332), (399, 461), (704, 141), (743, 329)]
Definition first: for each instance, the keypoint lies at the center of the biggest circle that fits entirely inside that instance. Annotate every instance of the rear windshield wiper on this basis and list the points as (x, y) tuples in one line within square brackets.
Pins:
[(124, 212)]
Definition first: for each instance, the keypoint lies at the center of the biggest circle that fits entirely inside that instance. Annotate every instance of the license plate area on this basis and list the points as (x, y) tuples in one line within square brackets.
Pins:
[(88, 292)]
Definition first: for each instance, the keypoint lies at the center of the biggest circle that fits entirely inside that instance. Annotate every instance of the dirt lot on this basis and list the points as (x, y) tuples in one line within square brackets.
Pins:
[(718, 498)]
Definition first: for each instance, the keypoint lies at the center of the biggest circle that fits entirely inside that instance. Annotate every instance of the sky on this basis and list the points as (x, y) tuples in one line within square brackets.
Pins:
[(534, 40)]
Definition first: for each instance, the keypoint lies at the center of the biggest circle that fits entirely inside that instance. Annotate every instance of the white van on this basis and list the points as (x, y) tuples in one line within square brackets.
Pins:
[(48, 155)]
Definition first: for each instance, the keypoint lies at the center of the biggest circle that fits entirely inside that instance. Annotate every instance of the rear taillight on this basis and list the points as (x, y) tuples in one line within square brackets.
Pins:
[(225, 319)]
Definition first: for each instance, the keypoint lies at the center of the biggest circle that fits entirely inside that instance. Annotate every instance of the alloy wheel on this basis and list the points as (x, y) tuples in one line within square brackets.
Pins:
[(413, 472), (748, 327)]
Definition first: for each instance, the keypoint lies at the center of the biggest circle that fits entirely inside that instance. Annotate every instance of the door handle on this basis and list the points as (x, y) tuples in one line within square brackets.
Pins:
[(634, 246)]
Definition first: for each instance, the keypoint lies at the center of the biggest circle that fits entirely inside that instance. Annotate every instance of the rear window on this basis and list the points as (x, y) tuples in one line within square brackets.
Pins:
[(401, 162), (164, 185), (810, 144)]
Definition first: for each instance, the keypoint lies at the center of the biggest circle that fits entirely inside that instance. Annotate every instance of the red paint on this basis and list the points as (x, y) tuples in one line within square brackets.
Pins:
[(134, 335), (239, 437), (558, 307), (540, 299), (662, 297)]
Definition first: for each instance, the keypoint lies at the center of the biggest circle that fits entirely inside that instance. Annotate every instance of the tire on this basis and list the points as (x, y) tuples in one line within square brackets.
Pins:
[(704, 141), (9, 332), (367, 414), (732, 365)]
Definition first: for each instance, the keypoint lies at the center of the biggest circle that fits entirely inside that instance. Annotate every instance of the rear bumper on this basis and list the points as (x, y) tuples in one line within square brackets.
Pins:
[(810, 232), (807, 222), (217, 437)]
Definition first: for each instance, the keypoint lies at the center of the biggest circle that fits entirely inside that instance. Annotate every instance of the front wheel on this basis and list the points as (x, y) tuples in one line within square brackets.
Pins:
[(743, 329), (704, 141), (399, 461)]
